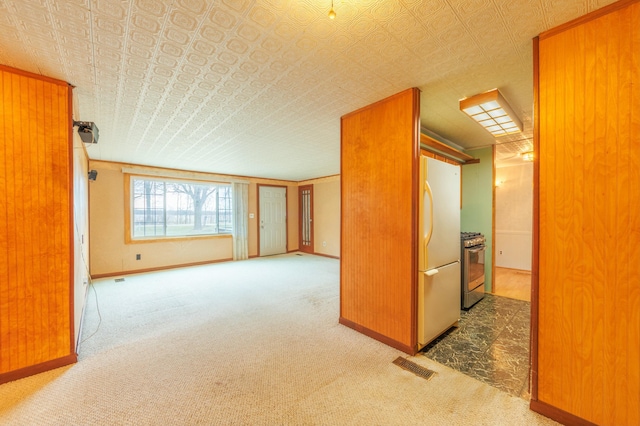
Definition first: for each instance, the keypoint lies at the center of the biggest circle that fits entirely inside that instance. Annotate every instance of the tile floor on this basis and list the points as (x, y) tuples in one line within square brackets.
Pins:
[(491, 344)]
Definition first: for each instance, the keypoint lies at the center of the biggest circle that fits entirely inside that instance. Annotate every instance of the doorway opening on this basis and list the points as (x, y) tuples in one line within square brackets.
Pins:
[(513, 221), (492, 342)]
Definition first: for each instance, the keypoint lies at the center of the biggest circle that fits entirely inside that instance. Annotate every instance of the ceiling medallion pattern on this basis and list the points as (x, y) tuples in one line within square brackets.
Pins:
[(257, 87)]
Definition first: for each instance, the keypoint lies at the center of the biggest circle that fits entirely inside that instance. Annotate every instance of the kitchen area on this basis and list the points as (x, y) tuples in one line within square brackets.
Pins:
[(584, 346), (491, 341), (400, 282)]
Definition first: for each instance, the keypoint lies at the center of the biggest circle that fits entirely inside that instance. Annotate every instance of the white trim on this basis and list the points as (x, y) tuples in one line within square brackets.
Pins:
[(512, 232), (181, 175)]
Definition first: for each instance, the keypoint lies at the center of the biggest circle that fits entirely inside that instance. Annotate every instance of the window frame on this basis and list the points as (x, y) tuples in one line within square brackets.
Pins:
[(128, 201)]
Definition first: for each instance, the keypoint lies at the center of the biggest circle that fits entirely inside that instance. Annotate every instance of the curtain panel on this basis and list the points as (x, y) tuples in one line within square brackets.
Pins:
[(240, 216)]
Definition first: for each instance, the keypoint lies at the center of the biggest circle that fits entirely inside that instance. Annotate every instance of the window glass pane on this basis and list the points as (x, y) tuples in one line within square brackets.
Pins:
[(148, 208), (180, 208)]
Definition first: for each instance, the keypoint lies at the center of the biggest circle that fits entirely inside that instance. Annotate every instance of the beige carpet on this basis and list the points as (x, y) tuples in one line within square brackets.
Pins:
[(251, 342)]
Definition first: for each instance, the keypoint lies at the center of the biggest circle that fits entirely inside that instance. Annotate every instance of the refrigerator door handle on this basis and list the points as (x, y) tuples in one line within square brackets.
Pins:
[(427, 190)]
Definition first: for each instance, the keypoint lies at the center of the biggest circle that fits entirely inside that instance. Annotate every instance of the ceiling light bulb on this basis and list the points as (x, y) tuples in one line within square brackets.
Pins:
[(527, 156), (332, 13)]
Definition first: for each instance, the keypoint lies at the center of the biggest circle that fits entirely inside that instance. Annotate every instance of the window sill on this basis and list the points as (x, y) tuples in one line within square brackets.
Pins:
[(130, 240)]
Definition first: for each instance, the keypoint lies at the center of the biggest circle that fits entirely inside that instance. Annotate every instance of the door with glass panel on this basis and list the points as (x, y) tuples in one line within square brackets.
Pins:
[(305, 198)]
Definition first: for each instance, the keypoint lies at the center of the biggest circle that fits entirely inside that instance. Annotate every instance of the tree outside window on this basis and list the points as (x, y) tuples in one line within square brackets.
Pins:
[(164, 208)]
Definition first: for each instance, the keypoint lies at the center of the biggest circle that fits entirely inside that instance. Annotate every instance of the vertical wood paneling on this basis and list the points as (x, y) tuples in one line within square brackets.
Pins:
[(378, 252), (633, 297), (4, 219), (588, 326), (35, 233)]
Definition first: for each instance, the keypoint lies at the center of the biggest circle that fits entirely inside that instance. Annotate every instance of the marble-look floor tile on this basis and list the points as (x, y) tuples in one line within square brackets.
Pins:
[(490, 344)]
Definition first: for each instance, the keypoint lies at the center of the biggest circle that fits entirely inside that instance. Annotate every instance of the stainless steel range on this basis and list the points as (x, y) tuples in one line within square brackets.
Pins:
[(472, 268)]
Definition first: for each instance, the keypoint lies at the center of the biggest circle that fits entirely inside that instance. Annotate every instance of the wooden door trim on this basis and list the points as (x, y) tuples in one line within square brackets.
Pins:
[(311, 249), (415, 226), (533, 352), (286, 216), (493, 220), (605, 10)]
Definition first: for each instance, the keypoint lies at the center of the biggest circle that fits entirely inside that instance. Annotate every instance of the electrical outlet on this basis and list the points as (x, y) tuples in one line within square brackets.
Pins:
[(500, 251), (138, 257)]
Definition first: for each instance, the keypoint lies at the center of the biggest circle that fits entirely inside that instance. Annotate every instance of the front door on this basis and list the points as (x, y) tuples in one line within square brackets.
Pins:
[(272, 219), (306, 218)]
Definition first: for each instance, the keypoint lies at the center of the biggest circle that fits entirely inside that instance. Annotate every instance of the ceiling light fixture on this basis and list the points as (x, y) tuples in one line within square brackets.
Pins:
[(492, 111), (332, 13)]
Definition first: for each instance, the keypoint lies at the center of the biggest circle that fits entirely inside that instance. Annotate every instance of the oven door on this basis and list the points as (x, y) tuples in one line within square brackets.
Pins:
[(474, 267)]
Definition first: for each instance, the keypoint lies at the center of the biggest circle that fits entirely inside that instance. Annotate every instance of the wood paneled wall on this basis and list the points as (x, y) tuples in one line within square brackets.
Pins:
[(586, 363), (379, 167), (36, 315)]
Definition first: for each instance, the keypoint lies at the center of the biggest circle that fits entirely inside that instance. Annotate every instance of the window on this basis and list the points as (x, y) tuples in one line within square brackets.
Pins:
[(168, 208)]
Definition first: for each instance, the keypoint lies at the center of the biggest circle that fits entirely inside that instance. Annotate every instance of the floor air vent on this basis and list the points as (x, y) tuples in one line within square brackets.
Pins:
[(416, 369), (119, 280)]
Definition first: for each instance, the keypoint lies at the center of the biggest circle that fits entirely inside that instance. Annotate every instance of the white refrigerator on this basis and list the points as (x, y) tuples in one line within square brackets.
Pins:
[(439, 251)]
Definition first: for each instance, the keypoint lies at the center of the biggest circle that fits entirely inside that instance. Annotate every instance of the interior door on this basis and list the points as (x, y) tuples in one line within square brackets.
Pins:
[(306, 218), (273, 220)]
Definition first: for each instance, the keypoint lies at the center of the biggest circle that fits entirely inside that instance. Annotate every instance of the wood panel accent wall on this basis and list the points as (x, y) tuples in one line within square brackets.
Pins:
[(379, 181), (586, 333), (36, 300)]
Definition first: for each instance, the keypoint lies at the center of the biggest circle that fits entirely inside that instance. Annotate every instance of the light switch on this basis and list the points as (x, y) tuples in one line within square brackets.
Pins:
[(250, 215)]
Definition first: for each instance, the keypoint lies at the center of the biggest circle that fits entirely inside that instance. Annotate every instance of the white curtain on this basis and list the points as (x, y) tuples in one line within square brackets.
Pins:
[(240, 216)]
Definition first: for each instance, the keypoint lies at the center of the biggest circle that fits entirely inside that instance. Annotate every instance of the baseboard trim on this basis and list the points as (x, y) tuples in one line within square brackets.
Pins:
[(377, 336), (557, 414), (38, 368), (160, 268), (528, 271), (327, 255)]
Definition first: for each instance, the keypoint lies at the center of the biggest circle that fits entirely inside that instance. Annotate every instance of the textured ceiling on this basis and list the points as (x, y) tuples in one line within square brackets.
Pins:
[(257, 87)]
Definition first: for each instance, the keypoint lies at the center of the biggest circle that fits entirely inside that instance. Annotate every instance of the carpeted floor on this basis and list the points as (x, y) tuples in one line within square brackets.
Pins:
[(251, 342)]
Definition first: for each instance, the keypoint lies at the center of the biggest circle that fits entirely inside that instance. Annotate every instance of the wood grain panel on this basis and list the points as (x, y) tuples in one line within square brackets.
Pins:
[(379, 160), (36, 320), (587, 342)]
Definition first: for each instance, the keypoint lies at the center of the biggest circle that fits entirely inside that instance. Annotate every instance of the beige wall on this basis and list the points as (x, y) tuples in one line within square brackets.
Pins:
[(326, 214), (514, 216), (110, 255), (80, 231)]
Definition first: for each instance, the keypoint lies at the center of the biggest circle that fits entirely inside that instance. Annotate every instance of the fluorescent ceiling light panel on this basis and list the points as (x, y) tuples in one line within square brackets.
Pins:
[(492, 111)]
